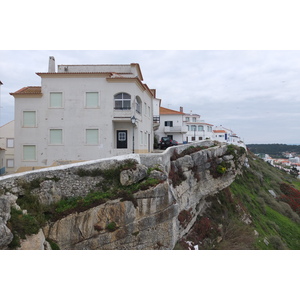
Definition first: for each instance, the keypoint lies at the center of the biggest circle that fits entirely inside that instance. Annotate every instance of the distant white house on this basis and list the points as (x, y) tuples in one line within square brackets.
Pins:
[(197, 129), (172, 125), (226, 135), (7, 142), (83, 112)]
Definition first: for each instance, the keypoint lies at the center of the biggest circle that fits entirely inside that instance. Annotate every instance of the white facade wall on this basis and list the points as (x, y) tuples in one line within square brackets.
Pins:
[(177, 131), (7, 142), (203, 130), (74, 118)]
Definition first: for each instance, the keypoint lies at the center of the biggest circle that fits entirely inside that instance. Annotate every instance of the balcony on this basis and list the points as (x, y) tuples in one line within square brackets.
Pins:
[(156, 122), (175, 129), (124, 112)]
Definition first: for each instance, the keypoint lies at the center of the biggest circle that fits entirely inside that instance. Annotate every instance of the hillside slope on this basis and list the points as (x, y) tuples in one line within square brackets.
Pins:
[(274, 150), (247, 215)]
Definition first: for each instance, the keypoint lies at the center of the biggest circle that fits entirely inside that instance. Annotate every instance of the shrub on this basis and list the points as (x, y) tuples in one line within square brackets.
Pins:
[(177, 176), (185, 217), (112, 226), (22, 224), (53, 245), (277, 242)]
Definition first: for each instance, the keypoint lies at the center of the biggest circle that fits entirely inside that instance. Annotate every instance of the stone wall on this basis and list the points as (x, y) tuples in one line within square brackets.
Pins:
[(157, 217)]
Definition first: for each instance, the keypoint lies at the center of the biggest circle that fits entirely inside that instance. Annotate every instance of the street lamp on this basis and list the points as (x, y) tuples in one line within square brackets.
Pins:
[(133, 121)]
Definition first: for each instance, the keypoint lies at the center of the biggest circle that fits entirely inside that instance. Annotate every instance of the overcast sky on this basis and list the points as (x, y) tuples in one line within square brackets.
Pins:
[(254, 93)]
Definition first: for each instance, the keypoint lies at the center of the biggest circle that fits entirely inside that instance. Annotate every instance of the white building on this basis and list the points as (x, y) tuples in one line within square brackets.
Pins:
[(7, 143), (226, 135), (172, 125), (83, 112), (197, 129)]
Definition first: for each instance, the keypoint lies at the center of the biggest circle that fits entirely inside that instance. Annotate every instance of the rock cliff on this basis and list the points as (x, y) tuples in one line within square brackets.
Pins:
[(144, 202)]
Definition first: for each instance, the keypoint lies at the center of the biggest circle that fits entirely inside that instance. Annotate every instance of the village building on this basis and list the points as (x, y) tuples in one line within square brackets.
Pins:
[(171, 125), (197, 129), (7, 142), (225, 135), (83, 112)]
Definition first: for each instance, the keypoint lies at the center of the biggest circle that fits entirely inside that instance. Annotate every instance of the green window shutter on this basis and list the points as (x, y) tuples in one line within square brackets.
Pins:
[(56, 136), (29, 118), (55, 100), (92, 137), (92, 99), (29, 152)]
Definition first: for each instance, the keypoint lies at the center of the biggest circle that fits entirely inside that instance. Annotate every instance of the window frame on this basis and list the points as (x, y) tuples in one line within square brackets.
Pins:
[(35, 119), (169, 122), (13, 162), (138, 105), (35, 153), (62, 137), (86, 136), (62, 100), (7, 142), (122, 101), (86, 98)]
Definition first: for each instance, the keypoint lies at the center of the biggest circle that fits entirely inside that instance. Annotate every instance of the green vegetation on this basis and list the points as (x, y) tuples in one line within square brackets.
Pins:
[(111, 227), (273, 223), (274, 150)]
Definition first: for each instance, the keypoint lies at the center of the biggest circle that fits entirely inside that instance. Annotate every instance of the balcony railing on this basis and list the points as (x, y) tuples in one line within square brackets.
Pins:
[(122, 112), (180, 129), (156, 119)]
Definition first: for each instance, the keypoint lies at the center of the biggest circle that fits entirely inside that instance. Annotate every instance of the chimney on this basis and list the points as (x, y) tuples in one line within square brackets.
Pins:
[(51, 68), (181, 109)]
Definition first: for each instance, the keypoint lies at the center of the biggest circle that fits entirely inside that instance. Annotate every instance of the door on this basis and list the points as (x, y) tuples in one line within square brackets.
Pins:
[(121, 139)]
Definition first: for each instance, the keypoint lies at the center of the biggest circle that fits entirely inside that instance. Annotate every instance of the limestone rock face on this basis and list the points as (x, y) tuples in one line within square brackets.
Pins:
[(131, 176), (34, 242), (155, 218), (147, 226), (6, 201), (5, 236), (49, 193)]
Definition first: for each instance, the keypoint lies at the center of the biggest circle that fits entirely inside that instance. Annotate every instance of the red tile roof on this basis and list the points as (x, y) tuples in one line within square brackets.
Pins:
[(219, 131), (166, 111), (28, 90)]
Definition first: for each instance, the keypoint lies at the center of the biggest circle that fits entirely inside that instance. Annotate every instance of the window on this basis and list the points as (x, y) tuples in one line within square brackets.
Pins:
[(149, 111), (142, 136), (92, 100), (92, 136), (55, 136), (122, 136), (145, 139), (194, 119), (29, 152), (10, 143), (193, 128), (56, 100), (29, 119), (187, 119), (10, 163), (193, 138), (169, 123), (122, 101), (138, 105), (200, 128)]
